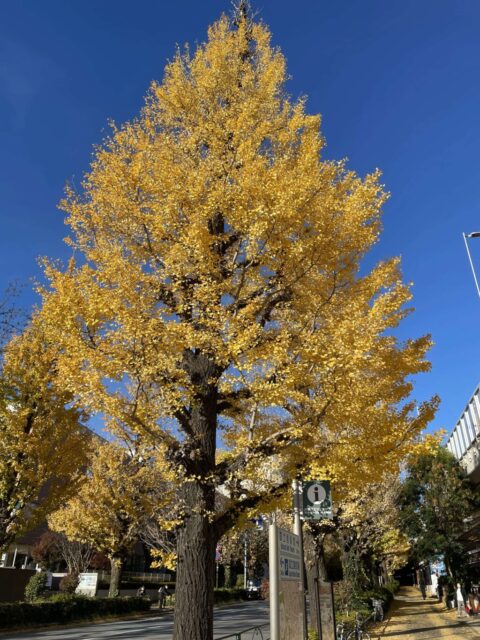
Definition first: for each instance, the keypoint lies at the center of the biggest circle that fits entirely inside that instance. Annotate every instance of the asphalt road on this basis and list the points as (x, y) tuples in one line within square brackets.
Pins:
[(229, 619)]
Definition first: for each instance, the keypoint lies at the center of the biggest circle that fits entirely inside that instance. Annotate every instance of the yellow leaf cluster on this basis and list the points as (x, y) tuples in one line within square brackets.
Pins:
[(219, 285), (121, 491), (43, 444)]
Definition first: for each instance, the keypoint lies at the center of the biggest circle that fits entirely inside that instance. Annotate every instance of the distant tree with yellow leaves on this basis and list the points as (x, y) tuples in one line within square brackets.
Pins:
[(122, 489), (43, 444), (218, 297)]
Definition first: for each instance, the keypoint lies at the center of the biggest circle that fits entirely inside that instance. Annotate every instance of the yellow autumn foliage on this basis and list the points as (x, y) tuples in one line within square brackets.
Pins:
[(217, 295), (123, 488), (43, 444)]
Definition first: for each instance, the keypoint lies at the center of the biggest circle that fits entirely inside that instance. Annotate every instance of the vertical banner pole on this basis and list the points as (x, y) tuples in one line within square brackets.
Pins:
[(317, 600), (298, 531), (274, 570), (245, 560)]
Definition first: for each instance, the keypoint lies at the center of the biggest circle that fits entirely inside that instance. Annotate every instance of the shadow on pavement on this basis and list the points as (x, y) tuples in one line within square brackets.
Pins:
[(406, 632)]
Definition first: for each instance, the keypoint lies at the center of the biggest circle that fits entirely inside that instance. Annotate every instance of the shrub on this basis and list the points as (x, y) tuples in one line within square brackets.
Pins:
[(69, 583), (392, 586), (64, 608), (312, 634), (36, 587)]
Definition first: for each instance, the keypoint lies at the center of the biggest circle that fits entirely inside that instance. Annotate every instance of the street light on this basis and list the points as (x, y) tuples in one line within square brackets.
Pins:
[(473, 234)]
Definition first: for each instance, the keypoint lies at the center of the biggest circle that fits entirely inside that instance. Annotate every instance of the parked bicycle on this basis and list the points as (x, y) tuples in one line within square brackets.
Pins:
[(341, 633), (358, 632)]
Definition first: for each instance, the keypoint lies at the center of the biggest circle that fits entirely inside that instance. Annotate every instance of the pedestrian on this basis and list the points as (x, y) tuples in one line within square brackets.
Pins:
[(434, 587), (161, 597), (460, 601), (141, 591), (421, 584), (440, 588)]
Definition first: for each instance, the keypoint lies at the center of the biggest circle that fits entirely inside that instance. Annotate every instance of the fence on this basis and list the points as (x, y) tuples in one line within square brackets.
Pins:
[(253, 633), (137, 576)]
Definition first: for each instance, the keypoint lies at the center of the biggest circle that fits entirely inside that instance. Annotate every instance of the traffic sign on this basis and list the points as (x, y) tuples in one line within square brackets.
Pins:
[(317, 500)]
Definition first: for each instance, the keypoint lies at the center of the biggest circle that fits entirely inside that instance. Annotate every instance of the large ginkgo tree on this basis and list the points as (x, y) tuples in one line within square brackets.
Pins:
[(215, 298)]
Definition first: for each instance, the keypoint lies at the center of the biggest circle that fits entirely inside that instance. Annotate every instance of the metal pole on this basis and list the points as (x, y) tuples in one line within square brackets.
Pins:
[(245, 560), (316, 595), (298, 531), (274, 580), (471, 264)]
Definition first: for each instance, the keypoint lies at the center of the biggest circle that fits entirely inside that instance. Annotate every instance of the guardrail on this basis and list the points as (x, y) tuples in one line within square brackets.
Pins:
[(253, 633)]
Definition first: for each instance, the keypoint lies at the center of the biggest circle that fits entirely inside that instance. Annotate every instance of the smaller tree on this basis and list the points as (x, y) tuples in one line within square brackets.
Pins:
[(53, 548), (246, 537), (436, 501), (43, 444), (123, 487)]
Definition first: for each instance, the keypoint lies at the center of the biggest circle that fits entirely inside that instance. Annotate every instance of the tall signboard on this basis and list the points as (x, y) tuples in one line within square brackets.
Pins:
[(290, 591), (286, 594)]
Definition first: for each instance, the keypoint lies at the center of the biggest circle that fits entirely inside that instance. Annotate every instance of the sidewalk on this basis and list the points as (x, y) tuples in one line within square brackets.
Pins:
[(411, 618)]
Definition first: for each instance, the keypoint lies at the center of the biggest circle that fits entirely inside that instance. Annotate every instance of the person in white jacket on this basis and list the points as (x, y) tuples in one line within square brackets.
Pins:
[(460, 601)]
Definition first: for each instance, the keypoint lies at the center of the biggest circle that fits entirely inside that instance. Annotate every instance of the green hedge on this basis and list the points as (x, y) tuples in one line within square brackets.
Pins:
[(363, 601), (66, 609)]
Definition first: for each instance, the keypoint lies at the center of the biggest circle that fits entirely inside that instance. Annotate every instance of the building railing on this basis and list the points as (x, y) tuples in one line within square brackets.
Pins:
[(253, 633), (137, 576)]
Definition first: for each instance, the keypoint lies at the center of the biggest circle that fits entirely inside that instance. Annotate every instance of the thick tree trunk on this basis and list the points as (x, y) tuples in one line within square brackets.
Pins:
[(116, 564), (197, 538), (195, 574)]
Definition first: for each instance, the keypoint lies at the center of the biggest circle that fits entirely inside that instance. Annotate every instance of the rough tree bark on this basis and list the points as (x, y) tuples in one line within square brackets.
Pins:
[(116, 565), (197, 537)]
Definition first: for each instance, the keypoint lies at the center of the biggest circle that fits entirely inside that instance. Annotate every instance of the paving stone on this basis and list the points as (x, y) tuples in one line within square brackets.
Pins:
[(411, 618)]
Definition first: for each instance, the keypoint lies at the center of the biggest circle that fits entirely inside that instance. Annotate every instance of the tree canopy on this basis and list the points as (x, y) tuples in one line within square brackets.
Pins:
[(43, 444), (436, 502), (217, 296), (122, 488)]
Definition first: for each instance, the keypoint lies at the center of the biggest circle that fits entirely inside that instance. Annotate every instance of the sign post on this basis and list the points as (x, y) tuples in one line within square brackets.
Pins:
[(298, 530), (317, 505), (274, 571)]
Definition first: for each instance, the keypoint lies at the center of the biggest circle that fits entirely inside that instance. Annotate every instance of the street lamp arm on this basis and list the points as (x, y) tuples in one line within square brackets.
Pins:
[(474, 234)]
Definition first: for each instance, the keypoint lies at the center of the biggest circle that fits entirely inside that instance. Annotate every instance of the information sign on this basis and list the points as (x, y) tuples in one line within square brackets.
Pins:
[(289, 555), (88, 584), (317, 500)]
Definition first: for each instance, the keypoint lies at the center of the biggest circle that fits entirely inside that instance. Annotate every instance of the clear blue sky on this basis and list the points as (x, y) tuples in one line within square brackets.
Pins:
[(397, 83)]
